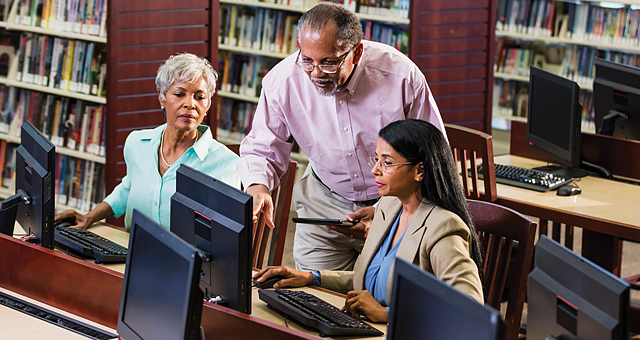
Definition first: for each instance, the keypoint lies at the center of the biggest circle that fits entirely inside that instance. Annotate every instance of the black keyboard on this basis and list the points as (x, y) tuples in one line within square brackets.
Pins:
[(314, 312), (526, 178), (90, 244)]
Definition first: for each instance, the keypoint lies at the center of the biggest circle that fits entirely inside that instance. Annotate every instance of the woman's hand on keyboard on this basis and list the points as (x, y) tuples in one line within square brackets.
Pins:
[(81, 221), (292, 277), (362, 303)]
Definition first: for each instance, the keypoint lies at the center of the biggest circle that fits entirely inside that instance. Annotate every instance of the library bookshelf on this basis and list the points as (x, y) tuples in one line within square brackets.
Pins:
[(31, 89), (573, 34)]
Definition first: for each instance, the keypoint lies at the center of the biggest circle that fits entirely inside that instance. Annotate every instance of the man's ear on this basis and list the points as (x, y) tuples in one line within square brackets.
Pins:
[(357, 54)]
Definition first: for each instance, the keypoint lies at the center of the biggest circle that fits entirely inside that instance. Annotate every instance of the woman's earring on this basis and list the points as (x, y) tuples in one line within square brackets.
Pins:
[(418, 179)]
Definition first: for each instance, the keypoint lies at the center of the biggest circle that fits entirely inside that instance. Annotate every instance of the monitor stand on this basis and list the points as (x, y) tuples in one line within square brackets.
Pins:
[(563, 171)]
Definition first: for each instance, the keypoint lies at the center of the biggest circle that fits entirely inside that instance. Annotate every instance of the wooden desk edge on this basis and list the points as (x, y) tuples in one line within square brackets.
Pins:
[(50, 277)]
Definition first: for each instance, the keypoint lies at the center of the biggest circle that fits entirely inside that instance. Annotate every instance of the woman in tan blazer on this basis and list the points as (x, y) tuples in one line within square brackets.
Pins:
[(422, 217)]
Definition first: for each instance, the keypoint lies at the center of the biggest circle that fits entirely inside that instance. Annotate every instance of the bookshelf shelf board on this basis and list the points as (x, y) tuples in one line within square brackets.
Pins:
[(300, 157), (238, 96), (496, 114), (61, 150), (371, 17), (60, 207), (5, 193), (586, 86), (265, 5), (391, 19), (277, 55), (4, 80), (603, 45), (46, 89), (3, 24), (622, 2), (225, 139), (47, 31), (509, 76)]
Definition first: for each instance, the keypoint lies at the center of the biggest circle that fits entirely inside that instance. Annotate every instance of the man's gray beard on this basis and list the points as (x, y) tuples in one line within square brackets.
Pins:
[(327, 92)]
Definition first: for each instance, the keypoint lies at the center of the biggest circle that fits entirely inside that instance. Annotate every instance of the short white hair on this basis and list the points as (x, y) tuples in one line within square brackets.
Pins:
[(185, 68)]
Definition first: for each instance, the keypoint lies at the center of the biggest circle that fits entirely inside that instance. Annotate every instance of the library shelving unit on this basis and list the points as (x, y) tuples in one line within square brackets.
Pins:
[(9, 133), (621, 40), (451, 41)]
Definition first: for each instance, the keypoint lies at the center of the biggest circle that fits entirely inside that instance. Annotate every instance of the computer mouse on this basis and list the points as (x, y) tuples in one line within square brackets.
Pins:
[(269, 282), (568, 190), (65, 222)]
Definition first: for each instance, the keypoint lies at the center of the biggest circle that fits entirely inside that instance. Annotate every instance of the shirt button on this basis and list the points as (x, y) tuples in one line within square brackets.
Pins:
[(345, 128), (355, 175), (341, 102), (359, 193), (156, 203), (349, 154)]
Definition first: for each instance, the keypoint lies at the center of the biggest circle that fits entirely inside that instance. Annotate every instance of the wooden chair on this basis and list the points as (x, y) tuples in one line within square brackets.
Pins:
[(282, 206), (467, 146), (499, 228)]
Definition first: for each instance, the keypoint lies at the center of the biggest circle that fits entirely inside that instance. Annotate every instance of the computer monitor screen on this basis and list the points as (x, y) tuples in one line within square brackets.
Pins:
[(616, 100), (35, 175), (160, 294), (553, 122), (569, 297), (217, 219), (423, 307)]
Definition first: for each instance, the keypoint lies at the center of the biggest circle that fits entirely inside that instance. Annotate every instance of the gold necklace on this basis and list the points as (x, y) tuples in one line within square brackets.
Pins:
[(162, 146)]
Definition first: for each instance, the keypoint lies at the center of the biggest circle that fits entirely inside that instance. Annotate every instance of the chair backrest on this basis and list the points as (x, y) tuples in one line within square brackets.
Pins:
[(282, 206), (499, 228), (467, 146)]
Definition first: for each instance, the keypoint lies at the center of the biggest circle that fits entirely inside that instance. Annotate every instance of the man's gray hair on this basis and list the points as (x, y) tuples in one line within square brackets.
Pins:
[(185, 68), (349, 29)]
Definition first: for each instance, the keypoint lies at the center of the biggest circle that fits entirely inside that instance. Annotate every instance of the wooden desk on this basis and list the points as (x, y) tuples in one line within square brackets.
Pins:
[(607, 211), (92, 291)]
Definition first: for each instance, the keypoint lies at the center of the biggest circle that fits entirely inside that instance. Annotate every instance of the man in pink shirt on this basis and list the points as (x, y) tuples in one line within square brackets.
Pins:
[(332, 97)]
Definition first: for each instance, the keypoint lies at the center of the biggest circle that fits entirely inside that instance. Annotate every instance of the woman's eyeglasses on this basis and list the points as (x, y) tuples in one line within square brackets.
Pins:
[(384, 166)]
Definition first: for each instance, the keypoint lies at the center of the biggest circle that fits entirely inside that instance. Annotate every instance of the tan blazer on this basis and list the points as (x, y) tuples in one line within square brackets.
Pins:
[(436, 239)]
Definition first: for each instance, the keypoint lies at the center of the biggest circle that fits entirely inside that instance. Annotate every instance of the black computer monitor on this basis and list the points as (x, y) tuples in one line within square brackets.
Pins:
[(160, 295), (554, 121), (423, 307), (33, 203), (570, 297), (216, 218), (616, 100)]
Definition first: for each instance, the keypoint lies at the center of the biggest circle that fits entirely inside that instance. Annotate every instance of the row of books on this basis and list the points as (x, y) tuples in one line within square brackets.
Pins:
[(258, 28), (235, 118), (392, 35), (79, 183), (389, 8), (574, 62), (76, 16), (242, 74), (67, 122), (573, 20), (511, 98), (69, 65)]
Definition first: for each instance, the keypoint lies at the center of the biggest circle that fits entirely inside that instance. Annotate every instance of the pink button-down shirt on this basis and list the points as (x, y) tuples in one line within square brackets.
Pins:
[(338, 133)]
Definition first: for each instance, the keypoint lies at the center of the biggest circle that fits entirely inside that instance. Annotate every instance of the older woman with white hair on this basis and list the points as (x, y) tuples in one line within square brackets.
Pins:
[(185, 84)]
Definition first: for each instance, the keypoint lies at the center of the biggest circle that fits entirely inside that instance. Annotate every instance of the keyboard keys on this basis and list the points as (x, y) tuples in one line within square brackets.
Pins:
[(90, 244), (526, 178), (314, 312)]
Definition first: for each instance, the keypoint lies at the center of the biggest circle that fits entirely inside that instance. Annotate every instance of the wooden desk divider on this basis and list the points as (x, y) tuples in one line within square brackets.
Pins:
[(615, 154), (93, 292)]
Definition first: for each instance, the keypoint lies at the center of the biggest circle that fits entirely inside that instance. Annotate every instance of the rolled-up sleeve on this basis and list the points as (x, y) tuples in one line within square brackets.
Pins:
[(265, 151)]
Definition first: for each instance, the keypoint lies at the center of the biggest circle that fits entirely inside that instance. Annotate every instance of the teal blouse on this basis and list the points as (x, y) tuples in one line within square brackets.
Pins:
[(144, 189)]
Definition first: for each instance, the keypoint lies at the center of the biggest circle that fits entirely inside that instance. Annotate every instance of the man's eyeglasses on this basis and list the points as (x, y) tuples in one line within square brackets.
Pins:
[(327, 68), (384, 166)]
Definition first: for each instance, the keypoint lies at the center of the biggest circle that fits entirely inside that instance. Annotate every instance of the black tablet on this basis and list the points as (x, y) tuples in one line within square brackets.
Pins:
[(324, 221)]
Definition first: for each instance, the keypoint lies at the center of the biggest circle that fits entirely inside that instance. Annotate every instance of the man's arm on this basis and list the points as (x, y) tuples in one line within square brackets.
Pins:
[(423, 104), (264, 155)]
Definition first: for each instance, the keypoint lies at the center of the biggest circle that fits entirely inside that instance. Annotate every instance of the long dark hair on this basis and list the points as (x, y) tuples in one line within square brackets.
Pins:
[(420, 141)]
